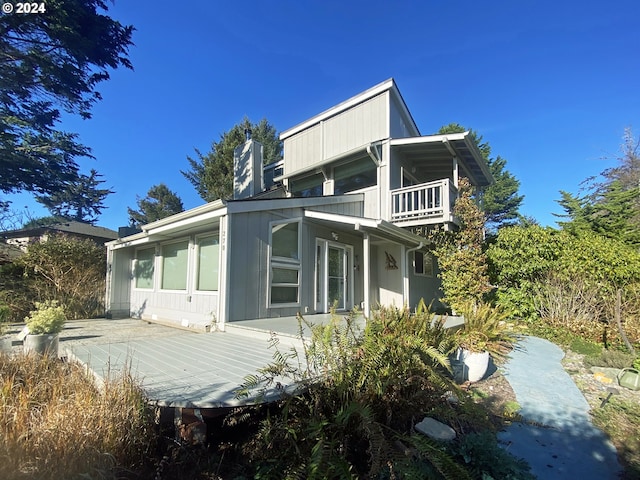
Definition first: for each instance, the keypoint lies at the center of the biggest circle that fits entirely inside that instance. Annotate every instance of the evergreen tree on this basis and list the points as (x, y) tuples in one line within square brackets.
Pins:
[(81, 200), (611, 206), (499, 201), (159, 203), (212, 173), (52, 61)]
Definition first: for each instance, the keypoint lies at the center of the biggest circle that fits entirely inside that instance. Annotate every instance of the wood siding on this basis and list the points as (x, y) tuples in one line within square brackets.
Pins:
[(349, 130), (249, 275), (119, 283), (400, 126), (360, 125)]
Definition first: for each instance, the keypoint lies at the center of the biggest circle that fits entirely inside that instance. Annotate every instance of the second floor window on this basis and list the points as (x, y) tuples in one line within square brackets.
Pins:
[(354, 175)]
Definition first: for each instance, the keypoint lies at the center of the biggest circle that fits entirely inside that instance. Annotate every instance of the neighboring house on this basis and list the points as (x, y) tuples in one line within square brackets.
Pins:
[(21, 238), (327, 225)]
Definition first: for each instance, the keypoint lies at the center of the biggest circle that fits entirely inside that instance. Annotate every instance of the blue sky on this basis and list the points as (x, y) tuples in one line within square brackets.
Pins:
[(551, 85)]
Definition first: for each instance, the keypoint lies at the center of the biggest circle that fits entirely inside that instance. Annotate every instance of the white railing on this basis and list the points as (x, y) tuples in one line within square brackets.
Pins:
[(429, 201)]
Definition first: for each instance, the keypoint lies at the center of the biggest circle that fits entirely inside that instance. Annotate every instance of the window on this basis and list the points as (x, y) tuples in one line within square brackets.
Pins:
[(143, 270), (354, 175), (423, 264), (174, 265), (284, 241), (208, 249), (285, 263), (310, 186)]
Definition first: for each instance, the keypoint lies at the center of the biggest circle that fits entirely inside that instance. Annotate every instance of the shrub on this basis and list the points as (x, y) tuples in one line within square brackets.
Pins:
[(485, 329), (69, 270), (49, 317), (609, 359), (358, 396)]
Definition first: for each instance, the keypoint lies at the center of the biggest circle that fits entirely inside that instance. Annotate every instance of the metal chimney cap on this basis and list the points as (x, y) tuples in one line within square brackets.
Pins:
[(247, 134)]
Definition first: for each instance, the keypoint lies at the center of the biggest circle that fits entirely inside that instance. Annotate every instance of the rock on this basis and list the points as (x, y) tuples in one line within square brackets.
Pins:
[(437, 430)]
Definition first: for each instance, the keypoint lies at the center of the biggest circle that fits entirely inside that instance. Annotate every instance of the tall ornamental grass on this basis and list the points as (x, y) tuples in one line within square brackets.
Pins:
[(57, 422)]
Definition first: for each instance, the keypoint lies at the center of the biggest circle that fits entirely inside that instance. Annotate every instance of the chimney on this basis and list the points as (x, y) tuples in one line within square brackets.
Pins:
[(247, 168)]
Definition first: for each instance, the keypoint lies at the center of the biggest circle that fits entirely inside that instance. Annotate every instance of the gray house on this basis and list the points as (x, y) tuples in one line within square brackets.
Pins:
[(329, 224)]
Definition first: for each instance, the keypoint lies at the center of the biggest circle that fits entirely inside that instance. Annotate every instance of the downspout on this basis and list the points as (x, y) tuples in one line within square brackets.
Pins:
[(405, 292), (372, 151)]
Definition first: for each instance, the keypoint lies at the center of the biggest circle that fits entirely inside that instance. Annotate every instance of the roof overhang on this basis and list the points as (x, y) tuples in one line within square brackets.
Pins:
[(432, 148), (376, 227), (173, 225)]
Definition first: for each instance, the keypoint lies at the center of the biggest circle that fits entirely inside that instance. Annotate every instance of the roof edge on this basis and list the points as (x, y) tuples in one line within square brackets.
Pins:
[(381, 87)]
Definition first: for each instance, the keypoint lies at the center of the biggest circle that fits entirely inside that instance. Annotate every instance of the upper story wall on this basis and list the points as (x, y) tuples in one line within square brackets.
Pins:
[(376, 114), (344, 132)]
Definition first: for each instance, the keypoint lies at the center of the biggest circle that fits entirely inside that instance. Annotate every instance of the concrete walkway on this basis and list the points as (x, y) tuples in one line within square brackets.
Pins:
[(562, 443)]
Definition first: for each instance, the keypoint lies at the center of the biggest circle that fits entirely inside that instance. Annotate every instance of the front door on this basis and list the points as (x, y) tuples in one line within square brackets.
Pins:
[(333, 283)]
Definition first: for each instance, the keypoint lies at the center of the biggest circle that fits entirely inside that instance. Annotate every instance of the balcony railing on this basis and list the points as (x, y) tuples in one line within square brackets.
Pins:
[(427, 203)]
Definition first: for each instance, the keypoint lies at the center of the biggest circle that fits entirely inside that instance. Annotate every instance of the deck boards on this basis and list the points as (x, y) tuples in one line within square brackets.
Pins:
[(182, 369)]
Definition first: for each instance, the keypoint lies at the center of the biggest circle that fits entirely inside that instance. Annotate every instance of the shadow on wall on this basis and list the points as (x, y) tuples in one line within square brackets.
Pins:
[(138, 313)]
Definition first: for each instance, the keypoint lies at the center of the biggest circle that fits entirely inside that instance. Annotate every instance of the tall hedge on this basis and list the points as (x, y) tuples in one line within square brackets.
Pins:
[(525, 261)]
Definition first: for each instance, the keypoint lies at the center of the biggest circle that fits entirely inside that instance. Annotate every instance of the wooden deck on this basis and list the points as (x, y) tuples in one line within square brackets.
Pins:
[(184, 369), (176, 368)]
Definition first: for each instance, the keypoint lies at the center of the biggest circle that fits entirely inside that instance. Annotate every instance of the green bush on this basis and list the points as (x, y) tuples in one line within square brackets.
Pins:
[(49, 317), (636, 363), (359, 393), (485, 329), (609, 359), (585, 347), (69, 270)]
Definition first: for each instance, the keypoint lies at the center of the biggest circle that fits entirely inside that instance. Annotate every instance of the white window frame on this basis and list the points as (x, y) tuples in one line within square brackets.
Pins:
[(188, 272), (196, 263), (155, 269), (284, 263)]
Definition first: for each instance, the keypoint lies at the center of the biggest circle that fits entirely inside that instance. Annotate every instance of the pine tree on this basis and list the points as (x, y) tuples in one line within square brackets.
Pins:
[(212, 173), (159, 203), (499, 201), (81, 200)]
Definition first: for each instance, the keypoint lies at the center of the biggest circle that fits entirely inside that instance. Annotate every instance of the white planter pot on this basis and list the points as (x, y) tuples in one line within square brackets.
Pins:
[(45, 344), (474, 366), (5, 344)]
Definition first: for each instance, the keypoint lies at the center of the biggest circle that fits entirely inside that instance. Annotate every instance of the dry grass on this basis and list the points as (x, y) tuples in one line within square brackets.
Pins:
[(55, 422)]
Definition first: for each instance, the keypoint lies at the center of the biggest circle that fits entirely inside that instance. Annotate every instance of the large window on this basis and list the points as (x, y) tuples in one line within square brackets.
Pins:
[(174, 265), (310, 186), (285, 263), (143, 270), (354, 175), (208, 250)]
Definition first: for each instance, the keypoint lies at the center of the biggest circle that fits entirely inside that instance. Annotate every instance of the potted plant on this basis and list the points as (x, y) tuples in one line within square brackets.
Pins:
[(5, 340), (482, 335), (44, 325)]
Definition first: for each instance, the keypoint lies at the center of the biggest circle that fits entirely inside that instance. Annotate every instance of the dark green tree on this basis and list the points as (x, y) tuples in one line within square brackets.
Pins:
[(611, 204), (499, 201), (52, 61), (160, 202), (81, 200), (212, 173)]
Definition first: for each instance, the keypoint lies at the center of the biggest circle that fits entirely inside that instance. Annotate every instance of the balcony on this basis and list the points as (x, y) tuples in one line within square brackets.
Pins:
[(425, 204)]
